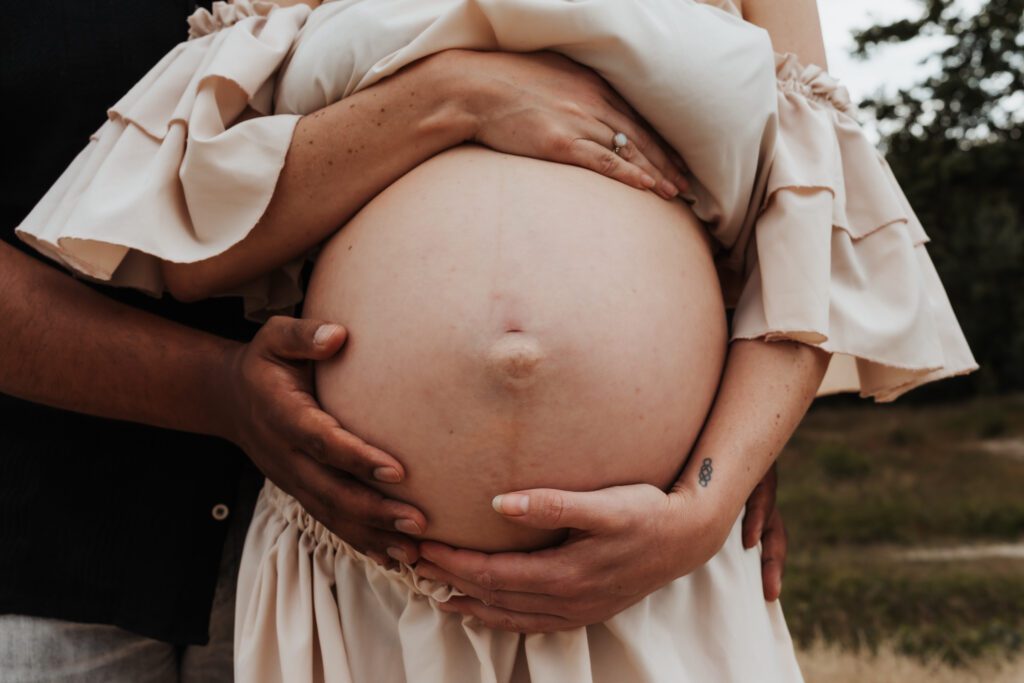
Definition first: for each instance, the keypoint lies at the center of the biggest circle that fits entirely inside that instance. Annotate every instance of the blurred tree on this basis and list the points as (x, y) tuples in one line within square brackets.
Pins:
[(955, 142)]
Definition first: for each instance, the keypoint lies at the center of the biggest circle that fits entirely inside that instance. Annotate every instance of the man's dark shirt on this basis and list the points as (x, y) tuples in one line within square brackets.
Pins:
[(101, 521)]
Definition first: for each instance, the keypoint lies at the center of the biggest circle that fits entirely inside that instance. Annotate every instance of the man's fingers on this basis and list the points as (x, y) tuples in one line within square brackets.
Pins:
[(555, 509), (504, 620), (329, 496), (773, 556), (321, 437), (754, 519), (537, 572), (384, 548), (759, 507), (300, 339)]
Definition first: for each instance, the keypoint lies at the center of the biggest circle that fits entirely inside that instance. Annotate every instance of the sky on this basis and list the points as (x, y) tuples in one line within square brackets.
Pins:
[(889, 67)]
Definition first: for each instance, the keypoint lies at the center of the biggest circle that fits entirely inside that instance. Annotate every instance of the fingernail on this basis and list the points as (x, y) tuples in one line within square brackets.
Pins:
[(397, 554), (648, 181), (323, 333), (407, 526), (669, 189), (512, 504), (388, 475)]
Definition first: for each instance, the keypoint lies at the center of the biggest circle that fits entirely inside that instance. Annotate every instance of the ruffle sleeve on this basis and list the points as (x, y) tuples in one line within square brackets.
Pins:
[(837, 258), (178, 156)]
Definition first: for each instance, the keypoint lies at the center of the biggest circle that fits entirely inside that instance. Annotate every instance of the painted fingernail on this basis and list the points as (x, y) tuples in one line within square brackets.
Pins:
[(511, 504), (648, 181), (408, 526), (668, 189), (323, 334), (388, 475), (397, 554)]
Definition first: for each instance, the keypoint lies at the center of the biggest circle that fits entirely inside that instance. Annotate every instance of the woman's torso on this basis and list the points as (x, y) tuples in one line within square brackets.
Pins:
[(516, 323)]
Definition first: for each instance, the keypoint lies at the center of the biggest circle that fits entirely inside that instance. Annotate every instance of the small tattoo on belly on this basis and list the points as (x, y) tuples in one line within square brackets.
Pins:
[(704, 476)]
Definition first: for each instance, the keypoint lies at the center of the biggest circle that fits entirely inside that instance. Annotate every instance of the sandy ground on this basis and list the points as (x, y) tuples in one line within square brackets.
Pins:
[(830, 665)]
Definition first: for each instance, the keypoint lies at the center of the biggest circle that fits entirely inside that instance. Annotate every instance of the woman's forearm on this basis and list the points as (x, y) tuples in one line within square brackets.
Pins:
[(340, 157), (793, 25), (766, 389)]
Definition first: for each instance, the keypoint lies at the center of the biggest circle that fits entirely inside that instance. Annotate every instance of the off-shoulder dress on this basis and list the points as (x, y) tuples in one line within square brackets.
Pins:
[(814, 240)]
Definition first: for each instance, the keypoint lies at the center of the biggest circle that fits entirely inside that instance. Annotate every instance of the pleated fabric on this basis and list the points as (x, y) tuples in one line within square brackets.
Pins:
[(816, 241), (182, 170), (312, 609)]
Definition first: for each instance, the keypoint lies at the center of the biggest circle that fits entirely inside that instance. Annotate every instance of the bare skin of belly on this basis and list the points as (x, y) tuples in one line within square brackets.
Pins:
[(516, 323)]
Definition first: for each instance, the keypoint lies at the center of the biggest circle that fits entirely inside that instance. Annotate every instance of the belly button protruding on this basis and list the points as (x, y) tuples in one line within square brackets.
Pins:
[(514, 357)]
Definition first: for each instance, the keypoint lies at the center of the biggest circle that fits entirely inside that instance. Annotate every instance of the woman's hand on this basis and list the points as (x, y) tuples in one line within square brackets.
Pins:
[(626, 542), (545, 105), (278, 423)]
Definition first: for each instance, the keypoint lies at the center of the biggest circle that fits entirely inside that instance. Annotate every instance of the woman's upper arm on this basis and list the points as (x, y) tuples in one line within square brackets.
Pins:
[(793, 25)]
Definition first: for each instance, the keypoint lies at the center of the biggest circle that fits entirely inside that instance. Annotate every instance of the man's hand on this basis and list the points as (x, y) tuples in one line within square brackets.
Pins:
[(277, 422), (763, 522), (626, 542)]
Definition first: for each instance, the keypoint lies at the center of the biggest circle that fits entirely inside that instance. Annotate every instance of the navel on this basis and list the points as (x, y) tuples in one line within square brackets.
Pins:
[(514, 357)]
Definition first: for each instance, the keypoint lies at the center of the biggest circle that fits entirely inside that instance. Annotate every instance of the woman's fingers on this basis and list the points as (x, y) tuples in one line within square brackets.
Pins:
[(510, 600), (504, 620), (583, 151), (646, 152), (535, 572), (674, 165)]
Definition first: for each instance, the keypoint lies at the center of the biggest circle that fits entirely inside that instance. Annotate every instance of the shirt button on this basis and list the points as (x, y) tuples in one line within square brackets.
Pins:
[(220, 512)]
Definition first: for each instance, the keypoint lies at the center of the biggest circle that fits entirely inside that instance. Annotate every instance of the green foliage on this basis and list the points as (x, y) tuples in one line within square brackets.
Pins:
[(956, 143)]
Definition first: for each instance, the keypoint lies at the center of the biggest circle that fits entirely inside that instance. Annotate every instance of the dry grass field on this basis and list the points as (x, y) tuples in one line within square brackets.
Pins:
[(907, 541)]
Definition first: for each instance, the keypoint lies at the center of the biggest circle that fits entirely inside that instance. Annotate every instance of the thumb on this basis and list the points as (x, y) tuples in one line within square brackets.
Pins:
[(300, 339), (555, 509)]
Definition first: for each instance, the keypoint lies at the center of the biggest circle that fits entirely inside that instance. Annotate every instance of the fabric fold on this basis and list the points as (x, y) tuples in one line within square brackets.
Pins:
[(179, 172), (838, 257)]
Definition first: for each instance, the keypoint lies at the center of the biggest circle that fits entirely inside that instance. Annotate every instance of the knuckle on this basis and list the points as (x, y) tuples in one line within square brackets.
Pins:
[(485, 580), (607, 162), (507, 623), (315, 447), (555, 508)]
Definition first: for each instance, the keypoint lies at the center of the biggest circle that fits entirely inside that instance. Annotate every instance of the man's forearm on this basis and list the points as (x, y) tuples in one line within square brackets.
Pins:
[(340, 157), (765, 392), (66, 346)]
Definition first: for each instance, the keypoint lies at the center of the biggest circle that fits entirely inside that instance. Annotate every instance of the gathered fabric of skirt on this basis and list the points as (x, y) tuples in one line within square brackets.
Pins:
[(816, 242), (310, 608)]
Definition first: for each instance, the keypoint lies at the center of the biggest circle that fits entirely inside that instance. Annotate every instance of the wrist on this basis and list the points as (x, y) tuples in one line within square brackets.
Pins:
[(460, 100), (224, 396)]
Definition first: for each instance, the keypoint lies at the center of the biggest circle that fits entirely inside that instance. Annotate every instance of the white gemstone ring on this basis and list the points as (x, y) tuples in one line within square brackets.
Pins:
[(619, 141)]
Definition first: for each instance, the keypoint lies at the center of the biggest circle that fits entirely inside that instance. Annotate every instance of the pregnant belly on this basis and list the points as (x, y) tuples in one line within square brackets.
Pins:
[(515, 323)]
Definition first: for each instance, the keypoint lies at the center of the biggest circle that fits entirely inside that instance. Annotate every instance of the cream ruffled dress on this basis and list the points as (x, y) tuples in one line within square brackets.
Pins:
[(815, 243)]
